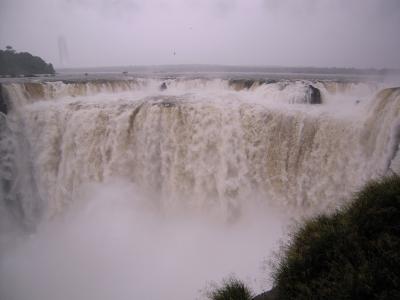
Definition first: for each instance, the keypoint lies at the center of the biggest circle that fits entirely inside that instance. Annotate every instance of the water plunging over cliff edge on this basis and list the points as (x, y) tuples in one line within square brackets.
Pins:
[(205, 146), (203, 142)]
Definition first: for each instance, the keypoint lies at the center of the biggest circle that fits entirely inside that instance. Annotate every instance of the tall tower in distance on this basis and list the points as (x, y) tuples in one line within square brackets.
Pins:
[(62, 51)]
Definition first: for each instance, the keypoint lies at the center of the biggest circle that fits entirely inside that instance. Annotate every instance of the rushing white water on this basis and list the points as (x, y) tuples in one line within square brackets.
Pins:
[(130, 183)]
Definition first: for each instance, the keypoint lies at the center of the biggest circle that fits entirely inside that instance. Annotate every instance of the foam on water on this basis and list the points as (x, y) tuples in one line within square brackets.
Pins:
[(200, 141), (140, 192)]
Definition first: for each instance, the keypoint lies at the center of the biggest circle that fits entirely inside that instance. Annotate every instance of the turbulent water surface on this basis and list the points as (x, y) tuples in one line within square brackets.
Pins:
[(150, 188)]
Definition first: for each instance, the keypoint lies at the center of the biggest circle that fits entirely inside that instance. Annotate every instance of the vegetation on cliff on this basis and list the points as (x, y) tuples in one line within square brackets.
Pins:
[(23, 63), (231, 289), (353, 254)]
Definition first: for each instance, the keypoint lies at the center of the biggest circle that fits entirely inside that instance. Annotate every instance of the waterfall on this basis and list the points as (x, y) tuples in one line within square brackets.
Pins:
[(149, 188), (207, 142)]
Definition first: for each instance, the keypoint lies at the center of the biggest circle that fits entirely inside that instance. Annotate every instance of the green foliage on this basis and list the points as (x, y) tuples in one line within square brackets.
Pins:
[(231, 289), (353, 254), (23, 63)]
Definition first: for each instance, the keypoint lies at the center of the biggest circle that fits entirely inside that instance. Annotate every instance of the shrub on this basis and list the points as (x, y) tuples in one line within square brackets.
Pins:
[(352, 254), (231, 289)]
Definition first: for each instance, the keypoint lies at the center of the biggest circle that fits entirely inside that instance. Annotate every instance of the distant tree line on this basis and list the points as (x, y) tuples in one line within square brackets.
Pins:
[(22, 63)]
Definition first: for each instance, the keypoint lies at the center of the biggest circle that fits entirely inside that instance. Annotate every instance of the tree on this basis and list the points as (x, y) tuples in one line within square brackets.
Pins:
[(13, 63)]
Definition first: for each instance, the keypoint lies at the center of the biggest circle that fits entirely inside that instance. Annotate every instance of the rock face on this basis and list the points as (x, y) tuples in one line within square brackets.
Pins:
[(241, 84), (3, 104), (302, 93), (269, 295), (163, 86), (246, 84), (315, 95)]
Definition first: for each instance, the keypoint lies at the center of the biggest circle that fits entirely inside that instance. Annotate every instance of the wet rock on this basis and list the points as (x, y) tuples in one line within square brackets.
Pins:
[(3, 104), (268, 81), (241, 84), (315, 95), (163, 86)]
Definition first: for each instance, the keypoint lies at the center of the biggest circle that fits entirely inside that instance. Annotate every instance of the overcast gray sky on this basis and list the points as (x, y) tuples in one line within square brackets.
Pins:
[(342, 33)]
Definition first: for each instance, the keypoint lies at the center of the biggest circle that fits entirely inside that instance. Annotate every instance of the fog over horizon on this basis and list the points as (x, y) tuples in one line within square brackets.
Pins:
[(89, 33)]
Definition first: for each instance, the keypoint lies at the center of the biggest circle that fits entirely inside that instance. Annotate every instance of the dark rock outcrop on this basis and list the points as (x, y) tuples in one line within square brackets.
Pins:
[(163, 86), (241, 84), (315, 95), (3, 104), (246, 84)]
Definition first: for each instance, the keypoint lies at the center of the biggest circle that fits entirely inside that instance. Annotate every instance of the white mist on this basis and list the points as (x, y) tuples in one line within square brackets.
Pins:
[(113, 245)]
